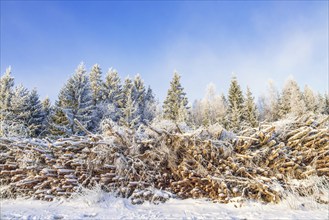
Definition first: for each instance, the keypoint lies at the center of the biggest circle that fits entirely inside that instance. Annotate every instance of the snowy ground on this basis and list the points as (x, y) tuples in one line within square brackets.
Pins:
[(110, 207)]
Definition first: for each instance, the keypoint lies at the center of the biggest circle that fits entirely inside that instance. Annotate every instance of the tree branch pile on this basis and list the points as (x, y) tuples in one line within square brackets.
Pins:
[(209, 163)]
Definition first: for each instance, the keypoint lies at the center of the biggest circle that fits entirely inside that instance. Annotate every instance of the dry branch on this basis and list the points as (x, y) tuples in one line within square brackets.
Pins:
[(196, 164)]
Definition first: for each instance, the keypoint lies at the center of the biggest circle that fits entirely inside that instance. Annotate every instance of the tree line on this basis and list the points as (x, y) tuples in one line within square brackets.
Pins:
[(238, 111), (92, 99), (85, 97)]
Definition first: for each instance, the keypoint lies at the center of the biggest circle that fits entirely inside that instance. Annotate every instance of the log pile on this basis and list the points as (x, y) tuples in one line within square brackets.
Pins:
[(205, 163)]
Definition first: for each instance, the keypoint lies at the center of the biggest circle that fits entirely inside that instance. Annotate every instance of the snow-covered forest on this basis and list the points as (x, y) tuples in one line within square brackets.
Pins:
[(181, 110), (94, 97), (105, 137)]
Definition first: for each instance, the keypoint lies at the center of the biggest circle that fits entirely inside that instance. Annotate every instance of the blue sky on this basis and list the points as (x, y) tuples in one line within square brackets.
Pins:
[(204, 41)]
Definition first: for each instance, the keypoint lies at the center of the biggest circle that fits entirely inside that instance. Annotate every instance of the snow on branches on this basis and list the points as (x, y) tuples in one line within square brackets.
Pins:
[(207, 162)]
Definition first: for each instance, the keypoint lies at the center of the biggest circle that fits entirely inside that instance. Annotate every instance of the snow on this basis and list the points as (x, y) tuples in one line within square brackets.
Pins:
[(106, 206)]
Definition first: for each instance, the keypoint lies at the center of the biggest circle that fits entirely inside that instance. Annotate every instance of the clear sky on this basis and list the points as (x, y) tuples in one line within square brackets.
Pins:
[(204, 41)]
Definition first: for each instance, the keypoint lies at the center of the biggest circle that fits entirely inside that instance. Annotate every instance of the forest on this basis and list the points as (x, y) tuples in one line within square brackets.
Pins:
[(115, 136), (91, 100)]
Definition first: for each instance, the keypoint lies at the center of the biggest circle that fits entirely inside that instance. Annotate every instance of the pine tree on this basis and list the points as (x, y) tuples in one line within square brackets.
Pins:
[(175, 104), (309, 99), (129, 117), (320, 104), (47, 111), (183, 113), (112, 86), (59, 124), (6, 90), (35, 114), (6, 93), (292, 100), (20, 110), (138, 95), (75, 100), (126, 92), (235, 107), (19, 114), (297, 104), (150, 106), (112, 96), (96, 83), (285, 106), (250, 110)]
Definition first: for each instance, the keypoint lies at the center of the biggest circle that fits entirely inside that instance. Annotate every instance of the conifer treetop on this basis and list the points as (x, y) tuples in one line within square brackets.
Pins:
[(176, 100)]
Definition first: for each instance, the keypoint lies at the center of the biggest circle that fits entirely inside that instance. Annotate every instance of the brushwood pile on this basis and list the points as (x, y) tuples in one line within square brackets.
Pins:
[(155, 163)]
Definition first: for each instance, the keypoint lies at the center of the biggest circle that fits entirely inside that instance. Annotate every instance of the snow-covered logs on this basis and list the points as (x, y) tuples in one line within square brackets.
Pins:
[(202, 163)]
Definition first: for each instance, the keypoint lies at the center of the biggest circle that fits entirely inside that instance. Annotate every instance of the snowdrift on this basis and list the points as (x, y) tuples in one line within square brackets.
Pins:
[(166, 160)]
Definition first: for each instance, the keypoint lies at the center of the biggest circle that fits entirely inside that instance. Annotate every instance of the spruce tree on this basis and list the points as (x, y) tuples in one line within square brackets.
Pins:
[(129, 118), (235, 105), (6, 93), (36, 116), (320, 104), (19, 114), (297, 103), (309, 99), (47, 111), (291, 100), (112, 97), (175, 104), (138, 95), (150, 106), (75, 100), (96, 83), (250, 110), (59, 124), (285, 106), (183, 113), (126, 92)]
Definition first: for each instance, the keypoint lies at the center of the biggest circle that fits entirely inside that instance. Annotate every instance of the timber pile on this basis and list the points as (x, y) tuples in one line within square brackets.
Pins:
[(204, 163)]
